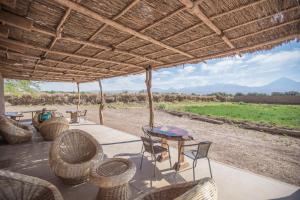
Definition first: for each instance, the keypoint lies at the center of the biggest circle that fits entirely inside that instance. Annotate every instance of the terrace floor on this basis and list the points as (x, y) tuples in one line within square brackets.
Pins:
[(233, 183)]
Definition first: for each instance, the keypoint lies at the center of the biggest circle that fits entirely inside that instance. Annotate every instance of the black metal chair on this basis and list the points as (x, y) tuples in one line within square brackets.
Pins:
[(154, 150), (146, 130), (201, 151)]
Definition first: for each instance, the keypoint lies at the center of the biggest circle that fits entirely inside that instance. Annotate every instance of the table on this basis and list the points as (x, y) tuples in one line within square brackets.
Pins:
[(74, 115), (112, 177), (35, 111), (172, 133), (14, 115)]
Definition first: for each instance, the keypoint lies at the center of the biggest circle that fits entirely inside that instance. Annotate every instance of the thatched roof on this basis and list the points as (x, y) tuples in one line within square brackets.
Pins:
[(84, 40)]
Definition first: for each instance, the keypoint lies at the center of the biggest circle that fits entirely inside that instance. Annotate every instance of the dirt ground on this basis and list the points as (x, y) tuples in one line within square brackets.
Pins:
[(262, 153)]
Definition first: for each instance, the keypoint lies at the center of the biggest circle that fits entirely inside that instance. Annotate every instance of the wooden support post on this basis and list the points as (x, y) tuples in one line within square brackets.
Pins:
[(78, 92), (150, 97), (2, 101), (101, 105)]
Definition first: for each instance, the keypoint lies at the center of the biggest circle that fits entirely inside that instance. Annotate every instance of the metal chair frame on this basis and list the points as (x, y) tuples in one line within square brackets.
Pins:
[(199, 155), (150, 144)]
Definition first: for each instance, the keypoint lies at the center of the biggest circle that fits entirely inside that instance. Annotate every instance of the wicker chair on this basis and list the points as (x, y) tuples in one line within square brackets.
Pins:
[(72, 155), (52, 128), (15, 186), (204, 189), (14, 133)]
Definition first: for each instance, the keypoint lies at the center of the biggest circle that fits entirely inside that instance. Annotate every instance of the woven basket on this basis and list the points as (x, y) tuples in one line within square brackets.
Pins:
[(14, 133), (72, 155), (204, 189), (52, 128), (14, 186)]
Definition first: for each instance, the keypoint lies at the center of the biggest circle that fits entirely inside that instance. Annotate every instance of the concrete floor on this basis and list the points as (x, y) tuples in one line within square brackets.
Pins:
[(233, 183)]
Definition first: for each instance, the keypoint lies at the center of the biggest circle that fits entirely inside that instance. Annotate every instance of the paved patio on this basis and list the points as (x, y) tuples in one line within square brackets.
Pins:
[(233, 183)]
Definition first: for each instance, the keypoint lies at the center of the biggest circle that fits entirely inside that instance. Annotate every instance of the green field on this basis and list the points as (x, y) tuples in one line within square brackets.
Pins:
[(280, 115)]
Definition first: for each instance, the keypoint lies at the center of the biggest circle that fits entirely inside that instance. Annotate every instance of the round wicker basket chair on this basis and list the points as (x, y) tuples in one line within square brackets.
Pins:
[(204, 189), (72, 155), (14, 133), (15, 186), (53, 127)]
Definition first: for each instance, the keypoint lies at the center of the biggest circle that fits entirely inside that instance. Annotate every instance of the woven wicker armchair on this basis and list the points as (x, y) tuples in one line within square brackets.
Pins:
[(52, 128), (204, 189), (72, 155), (15, 186), (14, 133)]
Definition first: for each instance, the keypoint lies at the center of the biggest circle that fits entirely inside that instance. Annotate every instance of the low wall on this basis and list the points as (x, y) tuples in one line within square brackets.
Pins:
[(67, 98), (293, 100)]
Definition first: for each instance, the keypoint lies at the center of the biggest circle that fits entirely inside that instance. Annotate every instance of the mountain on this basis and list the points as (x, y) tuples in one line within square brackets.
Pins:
[(279, 85)]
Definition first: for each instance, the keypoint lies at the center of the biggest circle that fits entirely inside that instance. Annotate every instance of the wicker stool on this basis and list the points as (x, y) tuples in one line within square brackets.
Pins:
[(112, 177)]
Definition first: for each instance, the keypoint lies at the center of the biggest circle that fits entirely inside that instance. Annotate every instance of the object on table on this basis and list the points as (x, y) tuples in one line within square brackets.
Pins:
[(204, 189), (74, 115), (154, 150), (112, 177), (72, 154), (52, 128)]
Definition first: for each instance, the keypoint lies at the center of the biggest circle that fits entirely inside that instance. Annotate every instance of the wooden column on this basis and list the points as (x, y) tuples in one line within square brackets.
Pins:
[(78, 93), (101, 105), (150, 97), (2, 101)]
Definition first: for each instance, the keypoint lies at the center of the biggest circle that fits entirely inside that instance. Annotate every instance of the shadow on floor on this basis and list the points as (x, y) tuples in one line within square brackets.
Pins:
[(295, 195)]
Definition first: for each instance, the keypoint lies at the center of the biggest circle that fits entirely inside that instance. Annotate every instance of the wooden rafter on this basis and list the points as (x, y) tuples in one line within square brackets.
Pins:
[(9, 19), (155, 23), (194, 9), (24, 45), (4, 31), (226, 30), (85, 11), (232, 51), (18, 55), (198, 25), (9, 3)]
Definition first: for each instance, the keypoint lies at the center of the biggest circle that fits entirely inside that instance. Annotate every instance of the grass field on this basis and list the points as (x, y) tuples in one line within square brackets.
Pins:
[(280, 115)]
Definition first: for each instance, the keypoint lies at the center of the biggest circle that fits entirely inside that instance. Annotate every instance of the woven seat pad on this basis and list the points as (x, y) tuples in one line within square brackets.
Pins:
[(112, 172)]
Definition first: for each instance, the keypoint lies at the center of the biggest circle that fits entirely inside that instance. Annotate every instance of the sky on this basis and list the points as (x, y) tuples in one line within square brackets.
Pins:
[(252, 69)]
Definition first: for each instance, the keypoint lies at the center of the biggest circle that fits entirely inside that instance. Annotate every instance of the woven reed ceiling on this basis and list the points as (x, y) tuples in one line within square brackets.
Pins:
[(84, 40)]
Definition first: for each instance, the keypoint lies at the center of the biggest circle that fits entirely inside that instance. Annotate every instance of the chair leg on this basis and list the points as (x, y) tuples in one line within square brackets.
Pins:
[(194, 170), (209, 167), (142, 160), (154, 166), (142, 149), (170, 158)]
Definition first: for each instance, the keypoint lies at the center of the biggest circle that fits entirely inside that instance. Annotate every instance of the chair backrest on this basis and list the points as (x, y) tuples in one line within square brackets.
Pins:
[(202, 150), (146, 130), (83, 113), (148, 144)]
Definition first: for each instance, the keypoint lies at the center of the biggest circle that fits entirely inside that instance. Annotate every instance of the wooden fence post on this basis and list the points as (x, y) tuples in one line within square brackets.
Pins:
[(101, 105), (78, 93), (150, 97)]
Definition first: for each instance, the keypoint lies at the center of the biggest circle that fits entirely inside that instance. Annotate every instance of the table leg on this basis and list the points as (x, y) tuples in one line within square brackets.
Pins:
[(180, 164), (164, 155)]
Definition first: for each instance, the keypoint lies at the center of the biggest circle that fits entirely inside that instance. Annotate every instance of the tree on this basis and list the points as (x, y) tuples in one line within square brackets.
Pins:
[(21, 86)]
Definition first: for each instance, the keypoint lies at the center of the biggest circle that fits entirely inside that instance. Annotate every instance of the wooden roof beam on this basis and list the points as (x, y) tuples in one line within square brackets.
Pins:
[(194, 9), (24, 45), (155, 23), (232, 51), (9, 3), (4, 31), (11, 54), (7, 19), (85, 11)]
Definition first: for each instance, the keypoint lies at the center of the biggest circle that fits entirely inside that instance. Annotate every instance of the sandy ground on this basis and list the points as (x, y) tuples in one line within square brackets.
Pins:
[(262, 153)]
